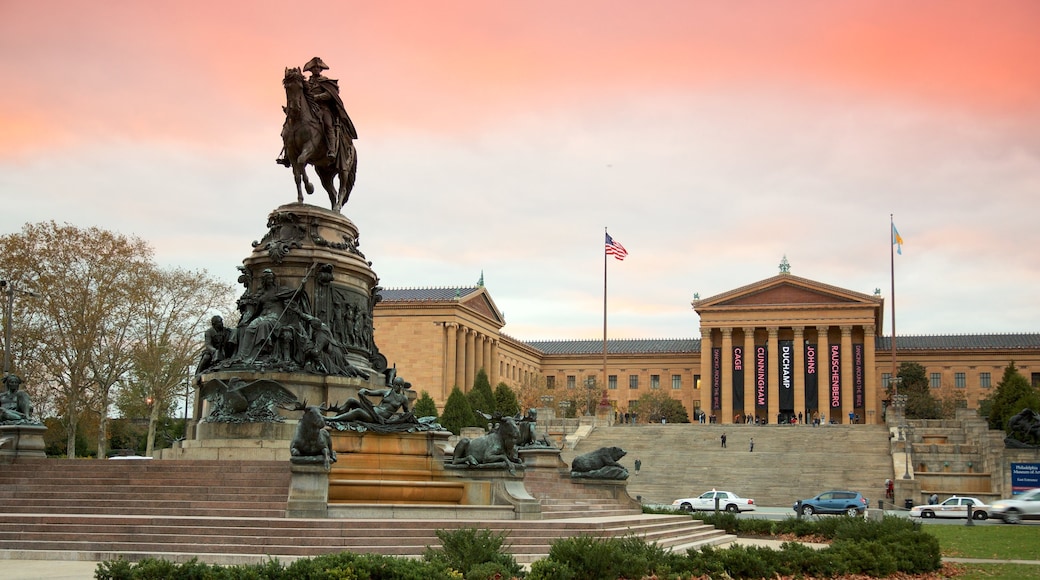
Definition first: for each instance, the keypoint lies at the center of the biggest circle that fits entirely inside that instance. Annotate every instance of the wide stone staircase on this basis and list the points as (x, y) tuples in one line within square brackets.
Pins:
[(790, 462), (233, 512)]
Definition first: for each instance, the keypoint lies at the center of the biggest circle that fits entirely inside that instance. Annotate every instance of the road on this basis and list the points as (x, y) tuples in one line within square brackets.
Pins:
[(782, 513)]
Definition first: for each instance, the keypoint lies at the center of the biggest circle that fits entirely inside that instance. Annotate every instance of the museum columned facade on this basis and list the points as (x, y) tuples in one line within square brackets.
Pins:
[(769, 351)]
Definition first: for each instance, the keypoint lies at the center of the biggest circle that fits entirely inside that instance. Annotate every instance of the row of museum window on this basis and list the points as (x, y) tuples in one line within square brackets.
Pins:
[(612, 381), (960, 381)]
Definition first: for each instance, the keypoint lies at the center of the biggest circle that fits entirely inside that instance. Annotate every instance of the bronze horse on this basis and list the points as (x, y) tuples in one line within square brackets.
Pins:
[(305, 144)]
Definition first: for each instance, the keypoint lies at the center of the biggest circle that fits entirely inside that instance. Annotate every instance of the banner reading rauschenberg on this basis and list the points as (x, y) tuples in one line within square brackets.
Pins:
[(835, 384)]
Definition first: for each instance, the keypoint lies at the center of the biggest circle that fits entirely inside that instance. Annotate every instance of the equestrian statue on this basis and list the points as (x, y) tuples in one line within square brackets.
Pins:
[(318, 132)]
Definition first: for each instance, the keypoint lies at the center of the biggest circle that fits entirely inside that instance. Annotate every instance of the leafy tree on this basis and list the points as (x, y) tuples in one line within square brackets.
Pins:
[(531, 390), (481, 398), (656, 405), (100, 302), (82, 279), (920, 402), (1012, 394), (505, 400), (172, 318), (457, 412), (425, 407)]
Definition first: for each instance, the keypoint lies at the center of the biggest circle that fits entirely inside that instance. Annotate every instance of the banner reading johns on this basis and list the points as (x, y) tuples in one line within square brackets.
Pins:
[(835, 385), (787, 376), (761, 380), (738, 378), (716, 379), (812, 378)]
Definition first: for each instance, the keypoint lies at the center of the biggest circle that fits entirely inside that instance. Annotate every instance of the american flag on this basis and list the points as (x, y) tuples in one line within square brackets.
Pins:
[(615, 249)]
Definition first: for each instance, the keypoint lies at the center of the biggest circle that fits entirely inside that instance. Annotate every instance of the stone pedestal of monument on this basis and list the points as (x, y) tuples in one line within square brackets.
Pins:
[(22, 442), (403, 475), (309, 490)]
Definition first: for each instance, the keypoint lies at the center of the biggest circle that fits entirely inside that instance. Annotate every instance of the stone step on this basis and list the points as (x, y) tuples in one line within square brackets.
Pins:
[(220, 540), (773, 475)]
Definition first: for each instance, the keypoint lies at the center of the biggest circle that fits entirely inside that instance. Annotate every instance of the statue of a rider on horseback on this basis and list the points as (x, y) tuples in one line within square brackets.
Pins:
[(318, 131)]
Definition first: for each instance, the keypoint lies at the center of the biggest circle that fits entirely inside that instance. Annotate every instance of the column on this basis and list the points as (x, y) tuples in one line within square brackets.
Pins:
[(451, 351), (705, 391), (846, 374), (773, 372), (495, 379), (471, 359), (460, 358), (485, 356), (799, 371), (749, 370), (726, 414), (869, 377), (823, 367)]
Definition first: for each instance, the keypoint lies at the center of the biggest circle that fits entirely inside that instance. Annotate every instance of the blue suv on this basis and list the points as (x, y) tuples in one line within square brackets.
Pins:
[(851, 503)]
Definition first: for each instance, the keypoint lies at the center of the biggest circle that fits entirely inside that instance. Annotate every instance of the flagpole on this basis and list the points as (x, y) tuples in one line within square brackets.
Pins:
[(892, 275), (604, 313)]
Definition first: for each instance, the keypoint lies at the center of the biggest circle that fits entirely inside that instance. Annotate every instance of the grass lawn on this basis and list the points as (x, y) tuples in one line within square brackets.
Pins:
[(990, 542), (995, 542), (999, 572)]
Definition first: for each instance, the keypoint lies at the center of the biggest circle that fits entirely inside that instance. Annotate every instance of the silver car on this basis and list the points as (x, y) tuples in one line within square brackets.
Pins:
[(1024, 506)]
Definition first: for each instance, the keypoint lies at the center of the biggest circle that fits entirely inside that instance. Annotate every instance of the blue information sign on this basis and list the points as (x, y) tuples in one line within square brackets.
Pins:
[(1024, 476)]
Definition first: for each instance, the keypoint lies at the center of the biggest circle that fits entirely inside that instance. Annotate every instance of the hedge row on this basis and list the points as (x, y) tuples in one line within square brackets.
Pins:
[(858, 546)]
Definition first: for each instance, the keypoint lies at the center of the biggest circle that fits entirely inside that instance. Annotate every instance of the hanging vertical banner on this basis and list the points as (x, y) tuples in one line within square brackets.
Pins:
[(787, 375), (738, 379), (858, 382), (812, 379), (761, 379), (835, 385), (716, 379)]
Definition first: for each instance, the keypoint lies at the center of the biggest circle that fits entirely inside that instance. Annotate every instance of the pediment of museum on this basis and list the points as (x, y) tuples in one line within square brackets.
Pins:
[(786, 290), (481, 303)]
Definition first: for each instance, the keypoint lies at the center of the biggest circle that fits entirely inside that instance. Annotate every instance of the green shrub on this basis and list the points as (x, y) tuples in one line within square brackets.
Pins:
[(489, 571), (915, 552), (463, 549), (724, 521), (589, 558), (548, 569), (871, 558)]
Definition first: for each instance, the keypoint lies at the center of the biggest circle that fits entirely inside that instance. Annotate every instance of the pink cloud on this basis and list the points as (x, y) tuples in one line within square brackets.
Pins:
[(200, 70)]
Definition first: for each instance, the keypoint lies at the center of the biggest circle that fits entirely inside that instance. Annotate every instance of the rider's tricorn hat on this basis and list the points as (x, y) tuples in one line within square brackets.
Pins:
[(316, 63)]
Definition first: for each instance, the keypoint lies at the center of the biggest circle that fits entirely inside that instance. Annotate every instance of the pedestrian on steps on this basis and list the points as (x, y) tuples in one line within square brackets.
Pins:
[(751, 445)]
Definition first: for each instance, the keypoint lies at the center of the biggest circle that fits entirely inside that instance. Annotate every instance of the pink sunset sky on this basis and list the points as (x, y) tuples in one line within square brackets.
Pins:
[(712, 138)]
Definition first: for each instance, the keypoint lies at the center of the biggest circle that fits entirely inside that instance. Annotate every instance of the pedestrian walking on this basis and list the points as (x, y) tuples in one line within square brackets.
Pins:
[(751, 445), (638, 465), (723, 440)]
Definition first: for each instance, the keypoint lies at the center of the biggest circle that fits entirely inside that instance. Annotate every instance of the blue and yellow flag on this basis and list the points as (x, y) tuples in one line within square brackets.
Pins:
[(897, 240)]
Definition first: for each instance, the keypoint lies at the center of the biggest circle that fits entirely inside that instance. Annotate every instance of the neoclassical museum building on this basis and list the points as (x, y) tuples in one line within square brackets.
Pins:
[(769, 350)]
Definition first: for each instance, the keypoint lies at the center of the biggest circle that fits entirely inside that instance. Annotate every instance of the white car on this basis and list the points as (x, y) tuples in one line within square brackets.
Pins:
[(728, 501), (955, 507), (1025, 506)]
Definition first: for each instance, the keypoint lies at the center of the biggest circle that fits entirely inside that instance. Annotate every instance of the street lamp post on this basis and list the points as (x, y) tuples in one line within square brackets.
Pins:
[(908, 447), (9, 289)]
